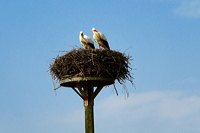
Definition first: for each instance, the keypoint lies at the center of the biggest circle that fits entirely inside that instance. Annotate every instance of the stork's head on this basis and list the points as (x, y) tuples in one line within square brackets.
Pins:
[(93, 29), (81, 33)]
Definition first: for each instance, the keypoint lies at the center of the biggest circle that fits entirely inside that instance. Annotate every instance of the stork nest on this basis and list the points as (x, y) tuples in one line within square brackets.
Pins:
[(98, 63)]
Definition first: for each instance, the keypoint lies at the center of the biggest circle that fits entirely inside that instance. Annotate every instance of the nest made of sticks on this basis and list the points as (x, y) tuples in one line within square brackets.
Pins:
[(98, 63)]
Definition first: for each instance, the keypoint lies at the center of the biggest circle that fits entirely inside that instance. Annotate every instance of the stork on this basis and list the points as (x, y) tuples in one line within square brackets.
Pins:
[(100, 39), (86, 41)]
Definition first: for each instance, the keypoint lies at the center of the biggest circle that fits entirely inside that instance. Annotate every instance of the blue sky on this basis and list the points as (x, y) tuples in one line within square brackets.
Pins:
[(164, 40)]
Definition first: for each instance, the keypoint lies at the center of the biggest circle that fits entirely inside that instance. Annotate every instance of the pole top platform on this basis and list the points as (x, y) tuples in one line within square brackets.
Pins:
[(95, 81)]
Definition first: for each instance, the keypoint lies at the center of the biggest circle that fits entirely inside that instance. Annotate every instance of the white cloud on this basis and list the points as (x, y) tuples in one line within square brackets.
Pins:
[(189, 8), (162, 105)]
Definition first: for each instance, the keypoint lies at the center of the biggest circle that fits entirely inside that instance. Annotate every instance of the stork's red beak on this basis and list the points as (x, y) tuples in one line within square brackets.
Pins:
[(93, 29)]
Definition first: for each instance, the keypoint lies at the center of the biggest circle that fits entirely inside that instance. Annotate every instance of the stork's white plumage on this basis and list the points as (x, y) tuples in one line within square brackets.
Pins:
[(100, 39), (86, 41)]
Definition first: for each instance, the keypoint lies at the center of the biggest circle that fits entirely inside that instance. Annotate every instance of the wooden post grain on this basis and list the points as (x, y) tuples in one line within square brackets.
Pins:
[(88, 106)]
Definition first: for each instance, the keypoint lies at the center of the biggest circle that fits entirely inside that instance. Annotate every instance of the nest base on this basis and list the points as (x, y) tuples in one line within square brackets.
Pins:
[(82, 81)]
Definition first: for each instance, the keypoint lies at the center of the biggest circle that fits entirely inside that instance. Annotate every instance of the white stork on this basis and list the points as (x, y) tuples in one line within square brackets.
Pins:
[(86, 41), (100, 39)]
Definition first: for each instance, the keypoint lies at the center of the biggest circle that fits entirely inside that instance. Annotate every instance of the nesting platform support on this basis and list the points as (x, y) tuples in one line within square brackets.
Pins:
[(84, 87), (88, 107)]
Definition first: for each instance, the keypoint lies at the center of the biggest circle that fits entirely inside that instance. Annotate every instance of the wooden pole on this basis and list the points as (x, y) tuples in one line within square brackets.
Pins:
[(88, 106)]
